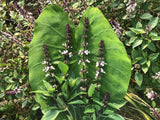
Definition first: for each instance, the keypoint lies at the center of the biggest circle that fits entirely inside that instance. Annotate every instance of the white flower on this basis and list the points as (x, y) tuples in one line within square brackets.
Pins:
[(46, 69), (97, 64), (97, 74), (64, 52), (152, 95), (44, 62), (80, 52), (83, 52), (54, 86), (157, 76), (29, 13), (60, 51), (52, 74), (84, 44), (131, 6), (155, 113), (102, 71), (70, 54), (87, 61), (102, 63), (52, 68), (83, 70), (116, 27), (47, 75), (83, 79), (64, 44), (82, 88), (79, 61), (17, 90), (86, 52), (149, 94), (83, 63)]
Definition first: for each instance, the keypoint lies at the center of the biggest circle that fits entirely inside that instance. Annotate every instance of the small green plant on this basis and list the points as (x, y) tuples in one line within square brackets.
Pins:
[(78, 72), (143, 40)]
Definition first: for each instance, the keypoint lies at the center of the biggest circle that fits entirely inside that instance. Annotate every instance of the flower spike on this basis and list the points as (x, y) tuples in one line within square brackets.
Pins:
[(67, 52), (84, 52), (48, 67), (100, 64)]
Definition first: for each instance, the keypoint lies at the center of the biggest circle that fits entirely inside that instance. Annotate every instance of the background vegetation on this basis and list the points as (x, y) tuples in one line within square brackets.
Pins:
[(137, 24)]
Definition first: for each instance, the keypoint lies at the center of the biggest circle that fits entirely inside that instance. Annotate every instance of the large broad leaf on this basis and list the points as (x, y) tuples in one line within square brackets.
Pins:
[(50, 30), (118, 66)]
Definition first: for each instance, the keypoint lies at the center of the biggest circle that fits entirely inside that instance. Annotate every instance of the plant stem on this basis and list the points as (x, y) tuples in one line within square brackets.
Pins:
[(69, 113)]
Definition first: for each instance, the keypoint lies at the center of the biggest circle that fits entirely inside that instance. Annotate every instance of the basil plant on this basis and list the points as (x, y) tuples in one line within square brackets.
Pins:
[(77, 72)]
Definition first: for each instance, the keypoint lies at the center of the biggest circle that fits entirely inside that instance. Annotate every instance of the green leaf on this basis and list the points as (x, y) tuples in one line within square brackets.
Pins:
[(158, 8), (145, 68), (153, 23), (2, 64), (130, 33), (1, 25), (155, 67), (91, 90), (118, 63), (108, 111), (65, 89), (59, 79), (51, 115), (139, 25), (155, 38), (111, 107), (72, 82), (35, 107), (60, 101), (2, 95), (63, 67), (153, 33), (24, 103), (49, 31), (114, 116), (98, 102), (153, 56), (77, 102), (143, 61), (47, 85), (77, 94), (146, 16), (94, 116), (137, 30), (15, 74), (42, 92), (137, 43), (89, 110), (139, 78), (145, 44), (153, 104), (148, 63), (132, 39), (151, 46), (118, 104)]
